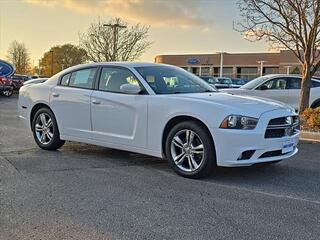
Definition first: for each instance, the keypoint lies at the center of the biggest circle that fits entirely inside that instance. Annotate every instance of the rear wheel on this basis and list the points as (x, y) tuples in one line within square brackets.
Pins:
[(45, 130), (190, 150)]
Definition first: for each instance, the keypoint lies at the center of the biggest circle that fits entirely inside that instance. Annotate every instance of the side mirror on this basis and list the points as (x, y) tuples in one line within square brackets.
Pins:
[(130, 88), (263, 87)]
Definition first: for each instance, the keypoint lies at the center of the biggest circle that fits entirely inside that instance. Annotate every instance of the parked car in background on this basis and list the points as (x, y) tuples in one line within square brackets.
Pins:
[(18, 80), (6, 87), (158, 110), (280, 87), (238, 82), (223, 82), (219, 82)]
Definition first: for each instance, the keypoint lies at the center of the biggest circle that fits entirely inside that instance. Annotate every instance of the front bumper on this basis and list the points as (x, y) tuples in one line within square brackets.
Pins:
[(230, 144)]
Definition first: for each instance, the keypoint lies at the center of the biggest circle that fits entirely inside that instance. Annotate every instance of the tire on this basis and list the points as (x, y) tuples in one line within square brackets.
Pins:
[(7, 93), (189, 161), (45, 130)]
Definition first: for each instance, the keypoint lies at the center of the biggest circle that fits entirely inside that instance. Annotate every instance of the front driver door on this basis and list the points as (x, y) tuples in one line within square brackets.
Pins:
[(118, 118), (275, 89)]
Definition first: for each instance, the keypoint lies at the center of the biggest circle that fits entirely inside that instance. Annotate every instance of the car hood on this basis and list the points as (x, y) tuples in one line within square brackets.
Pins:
[(245, 105)]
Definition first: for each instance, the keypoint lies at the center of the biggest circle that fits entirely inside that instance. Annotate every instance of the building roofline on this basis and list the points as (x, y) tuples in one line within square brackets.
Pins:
[(226, 53)]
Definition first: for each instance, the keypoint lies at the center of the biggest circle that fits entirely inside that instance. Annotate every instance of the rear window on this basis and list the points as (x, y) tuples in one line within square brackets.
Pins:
[(315, 84)]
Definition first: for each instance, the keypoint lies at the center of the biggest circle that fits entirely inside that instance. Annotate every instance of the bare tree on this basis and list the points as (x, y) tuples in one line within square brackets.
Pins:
[(113, 42), (288, 24), (18, 55)]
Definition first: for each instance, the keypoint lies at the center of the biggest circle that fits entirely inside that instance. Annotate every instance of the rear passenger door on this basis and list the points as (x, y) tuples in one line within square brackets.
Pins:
[(294, 88), (70, 102)]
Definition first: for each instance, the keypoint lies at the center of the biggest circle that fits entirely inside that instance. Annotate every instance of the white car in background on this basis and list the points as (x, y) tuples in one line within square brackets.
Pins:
[(158, 110), (280, 87)]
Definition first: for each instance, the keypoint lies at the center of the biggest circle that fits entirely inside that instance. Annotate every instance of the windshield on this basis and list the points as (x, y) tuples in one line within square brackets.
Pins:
[(255, 82), (172, 80)]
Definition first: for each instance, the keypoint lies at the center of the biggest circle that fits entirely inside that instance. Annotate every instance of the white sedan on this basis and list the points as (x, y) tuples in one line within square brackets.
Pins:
[(280, 87), (158, 110)]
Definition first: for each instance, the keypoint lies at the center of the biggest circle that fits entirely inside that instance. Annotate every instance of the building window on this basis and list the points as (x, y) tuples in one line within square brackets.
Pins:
[(247, 72), (195, 70), (227, 71), (270, 70), (205, 71)]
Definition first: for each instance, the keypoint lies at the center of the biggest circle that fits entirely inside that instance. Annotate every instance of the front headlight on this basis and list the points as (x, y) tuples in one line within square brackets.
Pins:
[(239, 122)]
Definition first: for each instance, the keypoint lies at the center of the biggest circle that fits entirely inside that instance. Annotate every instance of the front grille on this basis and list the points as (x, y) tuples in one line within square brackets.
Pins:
[(283, 126)]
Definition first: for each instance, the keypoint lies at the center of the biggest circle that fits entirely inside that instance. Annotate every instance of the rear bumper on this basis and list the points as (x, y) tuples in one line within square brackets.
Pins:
[(5, 87), (231, 144)]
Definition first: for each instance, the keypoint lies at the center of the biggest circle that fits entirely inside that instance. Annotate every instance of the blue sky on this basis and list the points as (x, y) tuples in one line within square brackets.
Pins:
[(176, 26)]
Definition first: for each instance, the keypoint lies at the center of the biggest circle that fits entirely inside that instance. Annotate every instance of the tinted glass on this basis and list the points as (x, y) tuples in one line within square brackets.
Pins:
[(82, 78), (172, 80), (315, 84), (112, 78), (254, 83), (224, 80), (274, 84), (294, 83)]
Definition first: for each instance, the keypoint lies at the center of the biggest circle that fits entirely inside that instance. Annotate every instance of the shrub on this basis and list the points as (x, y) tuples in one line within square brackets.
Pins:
[(310, 119)]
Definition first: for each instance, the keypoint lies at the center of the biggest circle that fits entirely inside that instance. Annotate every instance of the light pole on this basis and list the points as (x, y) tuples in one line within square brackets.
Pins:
[(115, 28), (221, 63), (39, 71), (261, 66), (51, 62), (288, 69)]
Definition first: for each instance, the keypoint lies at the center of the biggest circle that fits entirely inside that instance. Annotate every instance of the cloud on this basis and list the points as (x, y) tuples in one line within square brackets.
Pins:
[(175, 13)]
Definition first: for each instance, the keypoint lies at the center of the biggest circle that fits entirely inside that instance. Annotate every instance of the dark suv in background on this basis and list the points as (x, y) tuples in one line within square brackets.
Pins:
[(18, 80)]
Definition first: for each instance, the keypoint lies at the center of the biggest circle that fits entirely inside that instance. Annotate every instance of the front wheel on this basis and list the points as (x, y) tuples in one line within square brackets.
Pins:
[(7, 93), (45, 130), (190, 150)]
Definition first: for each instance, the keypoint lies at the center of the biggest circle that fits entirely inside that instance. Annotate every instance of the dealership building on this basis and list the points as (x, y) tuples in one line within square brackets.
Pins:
[(235, 65)]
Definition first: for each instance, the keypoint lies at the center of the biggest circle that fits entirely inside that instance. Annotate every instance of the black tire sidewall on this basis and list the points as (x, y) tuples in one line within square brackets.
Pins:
[(56, 142), (209, 160)]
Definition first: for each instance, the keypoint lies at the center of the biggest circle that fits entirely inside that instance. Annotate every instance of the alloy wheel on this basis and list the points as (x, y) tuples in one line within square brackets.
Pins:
[(187, 150), (44, 128)]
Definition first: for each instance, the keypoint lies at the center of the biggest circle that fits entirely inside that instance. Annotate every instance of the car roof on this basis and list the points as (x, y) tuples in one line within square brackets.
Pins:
[(289, 75), (121, 64)]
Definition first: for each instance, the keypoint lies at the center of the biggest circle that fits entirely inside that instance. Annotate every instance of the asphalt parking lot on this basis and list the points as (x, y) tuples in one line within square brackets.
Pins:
[(90, 192)]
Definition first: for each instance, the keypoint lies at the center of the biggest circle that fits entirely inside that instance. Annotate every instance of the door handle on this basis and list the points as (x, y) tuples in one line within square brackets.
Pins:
[(55, 94), (94, 101)]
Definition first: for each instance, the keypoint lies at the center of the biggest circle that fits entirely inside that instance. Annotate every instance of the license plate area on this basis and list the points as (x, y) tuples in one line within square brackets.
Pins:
[(288, 147)]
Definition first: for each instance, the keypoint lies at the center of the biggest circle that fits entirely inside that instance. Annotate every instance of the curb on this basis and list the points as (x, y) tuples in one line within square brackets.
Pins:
[(310, 136)]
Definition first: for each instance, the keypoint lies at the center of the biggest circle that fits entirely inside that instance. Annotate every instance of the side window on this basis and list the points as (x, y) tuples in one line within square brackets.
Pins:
[(82, 78), (274, 84), (294, 83), (315, 84), (112, 78), (65, 80)]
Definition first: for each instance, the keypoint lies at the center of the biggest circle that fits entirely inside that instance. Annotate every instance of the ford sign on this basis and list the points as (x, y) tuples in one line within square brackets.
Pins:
[(6, 69), (193, 61)]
